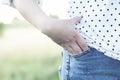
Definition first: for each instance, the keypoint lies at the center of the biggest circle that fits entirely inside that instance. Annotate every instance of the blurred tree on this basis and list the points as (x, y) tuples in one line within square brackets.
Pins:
[(1, 29)]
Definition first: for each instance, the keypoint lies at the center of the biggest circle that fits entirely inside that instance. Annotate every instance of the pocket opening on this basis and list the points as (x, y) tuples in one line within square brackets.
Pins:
[(81, 53)]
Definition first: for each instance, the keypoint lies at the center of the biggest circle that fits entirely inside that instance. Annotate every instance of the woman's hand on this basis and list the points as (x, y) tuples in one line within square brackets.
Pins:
[(63, 33), (60, 31)]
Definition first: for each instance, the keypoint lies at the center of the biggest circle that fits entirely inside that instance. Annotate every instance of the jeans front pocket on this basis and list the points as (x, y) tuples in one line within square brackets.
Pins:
[(81, 53)]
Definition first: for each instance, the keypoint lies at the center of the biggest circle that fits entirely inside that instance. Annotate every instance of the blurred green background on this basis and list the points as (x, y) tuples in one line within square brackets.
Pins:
[(26, 53)]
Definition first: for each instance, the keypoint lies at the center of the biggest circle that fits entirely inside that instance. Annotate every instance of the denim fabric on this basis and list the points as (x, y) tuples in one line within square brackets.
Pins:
[(89, 65)]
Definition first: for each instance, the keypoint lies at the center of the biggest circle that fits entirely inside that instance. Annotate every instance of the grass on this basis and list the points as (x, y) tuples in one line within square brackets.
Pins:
[(26, 54)]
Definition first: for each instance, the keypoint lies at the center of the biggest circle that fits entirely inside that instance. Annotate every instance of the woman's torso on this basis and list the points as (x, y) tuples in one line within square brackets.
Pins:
[(100, 24)]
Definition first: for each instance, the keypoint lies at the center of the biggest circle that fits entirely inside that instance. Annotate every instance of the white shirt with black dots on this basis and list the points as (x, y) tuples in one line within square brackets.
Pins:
[(100, 24)]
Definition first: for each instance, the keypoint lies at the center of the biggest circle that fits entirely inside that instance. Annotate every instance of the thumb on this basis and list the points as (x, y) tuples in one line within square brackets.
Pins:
[(74, 20)]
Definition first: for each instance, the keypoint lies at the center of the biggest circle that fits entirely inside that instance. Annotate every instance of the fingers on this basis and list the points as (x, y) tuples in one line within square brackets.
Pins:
[(75, 20), (67, 47), (81, 43), (72, 47), (76, 46)]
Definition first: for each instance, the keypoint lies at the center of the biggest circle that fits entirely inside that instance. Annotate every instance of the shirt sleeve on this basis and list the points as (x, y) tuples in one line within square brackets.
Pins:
[(9, 2)]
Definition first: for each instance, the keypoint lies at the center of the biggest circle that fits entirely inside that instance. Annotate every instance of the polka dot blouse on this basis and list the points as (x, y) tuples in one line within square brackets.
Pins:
[(100, 24)]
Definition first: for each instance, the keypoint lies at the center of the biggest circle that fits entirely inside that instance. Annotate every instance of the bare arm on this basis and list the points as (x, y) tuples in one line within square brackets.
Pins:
[(60, 31)]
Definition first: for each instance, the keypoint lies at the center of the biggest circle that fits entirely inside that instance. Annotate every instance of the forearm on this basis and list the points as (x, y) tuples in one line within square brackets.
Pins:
[(31, 12)]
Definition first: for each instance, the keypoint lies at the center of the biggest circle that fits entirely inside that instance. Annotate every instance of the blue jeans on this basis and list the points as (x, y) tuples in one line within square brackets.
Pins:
[(89, 65)]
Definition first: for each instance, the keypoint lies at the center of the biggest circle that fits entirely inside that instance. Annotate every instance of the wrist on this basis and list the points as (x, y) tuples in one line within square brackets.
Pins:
[(45, 24)]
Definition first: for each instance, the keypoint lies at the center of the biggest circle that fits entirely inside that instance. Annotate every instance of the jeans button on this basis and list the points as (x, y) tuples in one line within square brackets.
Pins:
[(68, 67)]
